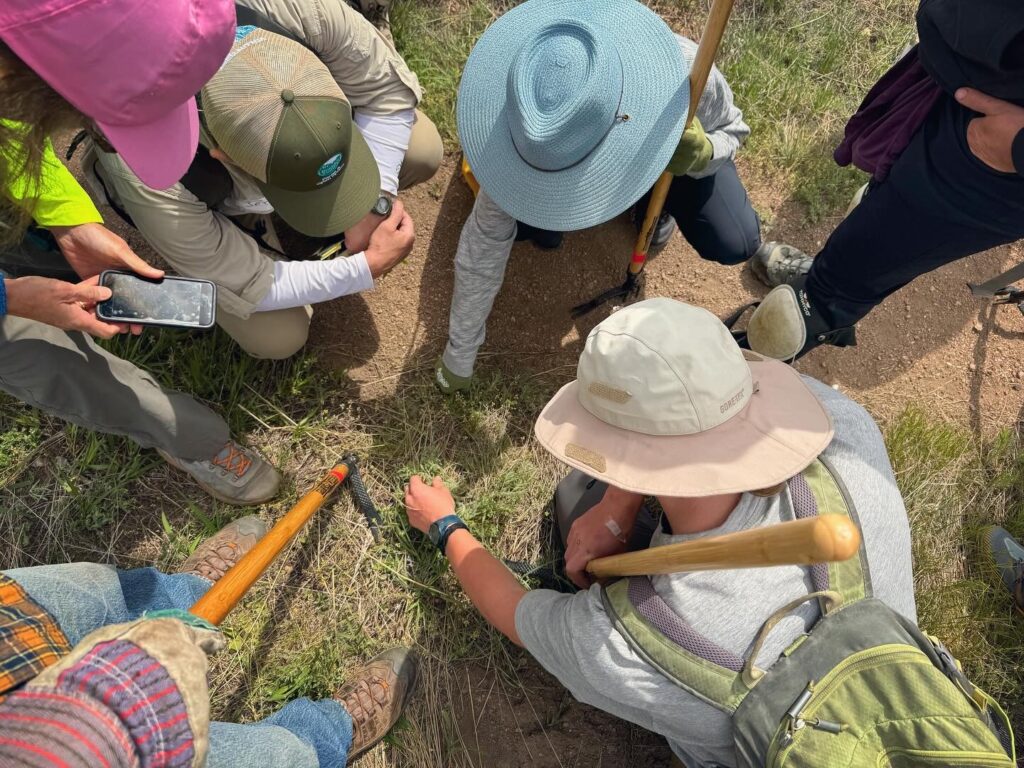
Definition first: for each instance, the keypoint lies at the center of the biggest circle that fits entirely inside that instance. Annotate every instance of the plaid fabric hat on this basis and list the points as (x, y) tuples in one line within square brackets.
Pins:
[(277, 112), (30, 639)]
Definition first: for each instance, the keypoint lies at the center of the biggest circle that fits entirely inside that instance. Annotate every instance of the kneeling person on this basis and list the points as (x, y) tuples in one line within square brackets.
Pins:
[(321, 128), (725, 442), (566, 123), (114, 665)]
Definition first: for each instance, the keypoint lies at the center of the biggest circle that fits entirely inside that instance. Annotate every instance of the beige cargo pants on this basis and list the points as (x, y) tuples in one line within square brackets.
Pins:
[(69, 376), (178, 225)]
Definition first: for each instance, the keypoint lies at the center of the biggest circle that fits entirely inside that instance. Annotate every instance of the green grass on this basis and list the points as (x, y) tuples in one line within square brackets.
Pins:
[(798, 68), (955, 486)]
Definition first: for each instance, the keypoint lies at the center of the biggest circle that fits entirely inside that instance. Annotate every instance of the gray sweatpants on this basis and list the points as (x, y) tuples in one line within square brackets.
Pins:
[(68, 375)]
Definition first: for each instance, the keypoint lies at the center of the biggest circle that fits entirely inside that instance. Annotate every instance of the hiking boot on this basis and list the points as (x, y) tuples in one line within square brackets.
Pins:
[(776, 264), (1008, 557), (544, 239), (377, 696), (662, 230), (219, 553), (448, 382), (236, 475)]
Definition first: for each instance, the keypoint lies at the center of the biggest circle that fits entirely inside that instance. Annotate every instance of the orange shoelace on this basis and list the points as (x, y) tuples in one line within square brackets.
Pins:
[(236, 461)]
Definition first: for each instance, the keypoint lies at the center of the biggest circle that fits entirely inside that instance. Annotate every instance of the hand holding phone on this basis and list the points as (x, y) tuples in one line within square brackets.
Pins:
[(68, 306), (172, 302)]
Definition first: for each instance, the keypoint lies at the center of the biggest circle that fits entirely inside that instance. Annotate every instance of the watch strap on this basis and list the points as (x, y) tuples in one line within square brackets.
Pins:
[(445, 527), (3, 295)]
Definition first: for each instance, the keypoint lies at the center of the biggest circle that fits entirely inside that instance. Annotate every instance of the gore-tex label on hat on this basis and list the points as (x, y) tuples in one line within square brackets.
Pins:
[(733, 400)]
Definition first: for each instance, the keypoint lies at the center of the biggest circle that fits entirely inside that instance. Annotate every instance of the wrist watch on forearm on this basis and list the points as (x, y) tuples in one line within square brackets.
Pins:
[(441, 530), (383, 205)]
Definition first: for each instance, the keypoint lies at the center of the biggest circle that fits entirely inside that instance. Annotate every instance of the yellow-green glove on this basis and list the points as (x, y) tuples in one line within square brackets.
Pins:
[(693, 153)]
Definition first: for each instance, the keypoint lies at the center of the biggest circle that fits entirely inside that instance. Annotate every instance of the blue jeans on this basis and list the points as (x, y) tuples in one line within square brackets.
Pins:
[(83, 597)]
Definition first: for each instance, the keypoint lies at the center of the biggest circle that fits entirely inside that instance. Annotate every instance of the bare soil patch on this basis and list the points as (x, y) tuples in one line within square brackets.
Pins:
[(931, 342)]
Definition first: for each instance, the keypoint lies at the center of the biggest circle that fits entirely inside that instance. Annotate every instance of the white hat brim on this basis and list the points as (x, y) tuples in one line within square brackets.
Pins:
[(779, 433)]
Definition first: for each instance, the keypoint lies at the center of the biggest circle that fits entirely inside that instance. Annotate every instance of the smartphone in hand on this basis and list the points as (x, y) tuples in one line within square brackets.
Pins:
[(172, 302)]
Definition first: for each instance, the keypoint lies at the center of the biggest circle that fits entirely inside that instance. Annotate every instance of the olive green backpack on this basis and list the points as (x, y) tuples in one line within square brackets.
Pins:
[(864, 688)]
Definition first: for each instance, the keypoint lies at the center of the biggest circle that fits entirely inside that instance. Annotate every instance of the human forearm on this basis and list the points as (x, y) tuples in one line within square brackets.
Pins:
[(483, 252), (388, 139), (298, 283), (490, 586)]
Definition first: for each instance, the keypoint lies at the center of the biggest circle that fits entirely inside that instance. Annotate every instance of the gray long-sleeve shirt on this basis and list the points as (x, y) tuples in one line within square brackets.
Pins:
[(489, 232), (573, 638)]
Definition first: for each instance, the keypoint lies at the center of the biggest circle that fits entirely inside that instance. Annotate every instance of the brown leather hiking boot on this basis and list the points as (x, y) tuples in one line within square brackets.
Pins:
[(215, 556), (377, 696)]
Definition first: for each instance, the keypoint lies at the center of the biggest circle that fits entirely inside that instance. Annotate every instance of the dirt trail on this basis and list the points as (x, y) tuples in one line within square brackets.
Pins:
[(931, 343)]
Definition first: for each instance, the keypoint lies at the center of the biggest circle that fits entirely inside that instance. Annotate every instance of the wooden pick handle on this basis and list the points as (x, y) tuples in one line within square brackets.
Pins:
[(823, 539), (223, 596), (710, 41)]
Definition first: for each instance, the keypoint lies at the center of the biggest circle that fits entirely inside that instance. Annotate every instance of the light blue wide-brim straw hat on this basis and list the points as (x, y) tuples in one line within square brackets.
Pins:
[(569, 110)]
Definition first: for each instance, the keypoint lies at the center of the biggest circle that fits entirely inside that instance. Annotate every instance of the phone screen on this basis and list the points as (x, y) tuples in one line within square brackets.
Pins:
[(173, 301)]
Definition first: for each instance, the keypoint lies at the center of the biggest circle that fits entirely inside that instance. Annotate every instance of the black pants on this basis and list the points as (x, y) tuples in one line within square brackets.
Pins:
[(939, 204), (715, 215)]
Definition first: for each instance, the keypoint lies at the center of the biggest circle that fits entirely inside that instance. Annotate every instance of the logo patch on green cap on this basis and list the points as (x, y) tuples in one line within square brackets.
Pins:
[(331, 168)]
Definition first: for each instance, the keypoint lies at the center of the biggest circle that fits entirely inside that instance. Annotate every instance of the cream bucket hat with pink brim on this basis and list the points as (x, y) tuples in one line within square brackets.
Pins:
[(665, 403)]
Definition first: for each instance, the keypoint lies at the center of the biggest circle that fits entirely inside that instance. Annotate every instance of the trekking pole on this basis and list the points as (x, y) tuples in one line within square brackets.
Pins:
[(822, 539), (710, 41), (226, 593)]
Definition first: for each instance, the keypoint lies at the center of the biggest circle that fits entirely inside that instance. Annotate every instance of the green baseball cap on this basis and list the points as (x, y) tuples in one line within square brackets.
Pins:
[(279, 115)]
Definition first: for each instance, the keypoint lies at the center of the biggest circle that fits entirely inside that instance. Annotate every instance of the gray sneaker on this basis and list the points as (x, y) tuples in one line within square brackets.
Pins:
[(236, 475), (776, 264), (219, 553), (1008, 557)]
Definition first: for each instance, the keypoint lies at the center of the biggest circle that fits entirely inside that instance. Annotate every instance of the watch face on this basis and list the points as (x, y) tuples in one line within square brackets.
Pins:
[(383, 206), (433, 534)]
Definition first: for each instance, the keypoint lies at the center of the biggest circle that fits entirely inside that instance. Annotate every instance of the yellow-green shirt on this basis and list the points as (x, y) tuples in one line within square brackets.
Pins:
[(59, 200)]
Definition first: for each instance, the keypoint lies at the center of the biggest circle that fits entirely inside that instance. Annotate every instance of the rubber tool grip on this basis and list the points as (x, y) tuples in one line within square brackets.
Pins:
[(363, 501)]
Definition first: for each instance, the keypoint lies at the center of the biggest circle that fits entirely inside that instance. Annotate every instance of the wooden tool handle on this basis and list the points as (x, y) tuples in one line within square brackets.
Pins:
[(710, 41), (707, 50), (823, 539), (232, 586)]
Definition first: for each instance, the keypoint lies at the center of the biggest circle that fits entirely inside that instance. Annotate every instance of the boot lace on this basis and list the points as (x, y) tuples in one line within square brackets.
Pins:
[(366, 704), (233, 460)]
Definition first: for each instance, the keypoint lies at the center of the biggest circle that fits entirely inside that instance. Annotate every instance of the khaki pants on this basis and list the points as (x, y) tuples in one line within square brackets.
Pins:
[(282, 333), (69, 376)]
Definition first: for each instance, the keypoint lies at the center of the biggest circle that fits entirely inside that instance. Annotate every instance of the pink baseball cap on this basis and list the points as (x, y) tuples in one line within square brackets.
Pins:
[(132, 66)]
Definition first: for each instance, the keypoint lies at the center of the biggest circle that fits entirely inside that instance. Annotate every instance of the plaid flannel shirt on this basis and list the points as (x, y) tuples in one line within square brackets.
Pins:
[(30, 639)]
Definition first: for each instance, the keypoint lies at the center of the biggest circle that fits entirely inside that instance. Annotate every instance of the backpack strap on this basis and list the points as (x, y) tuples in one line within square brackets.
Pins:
[(702, 667), (850, 578)]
